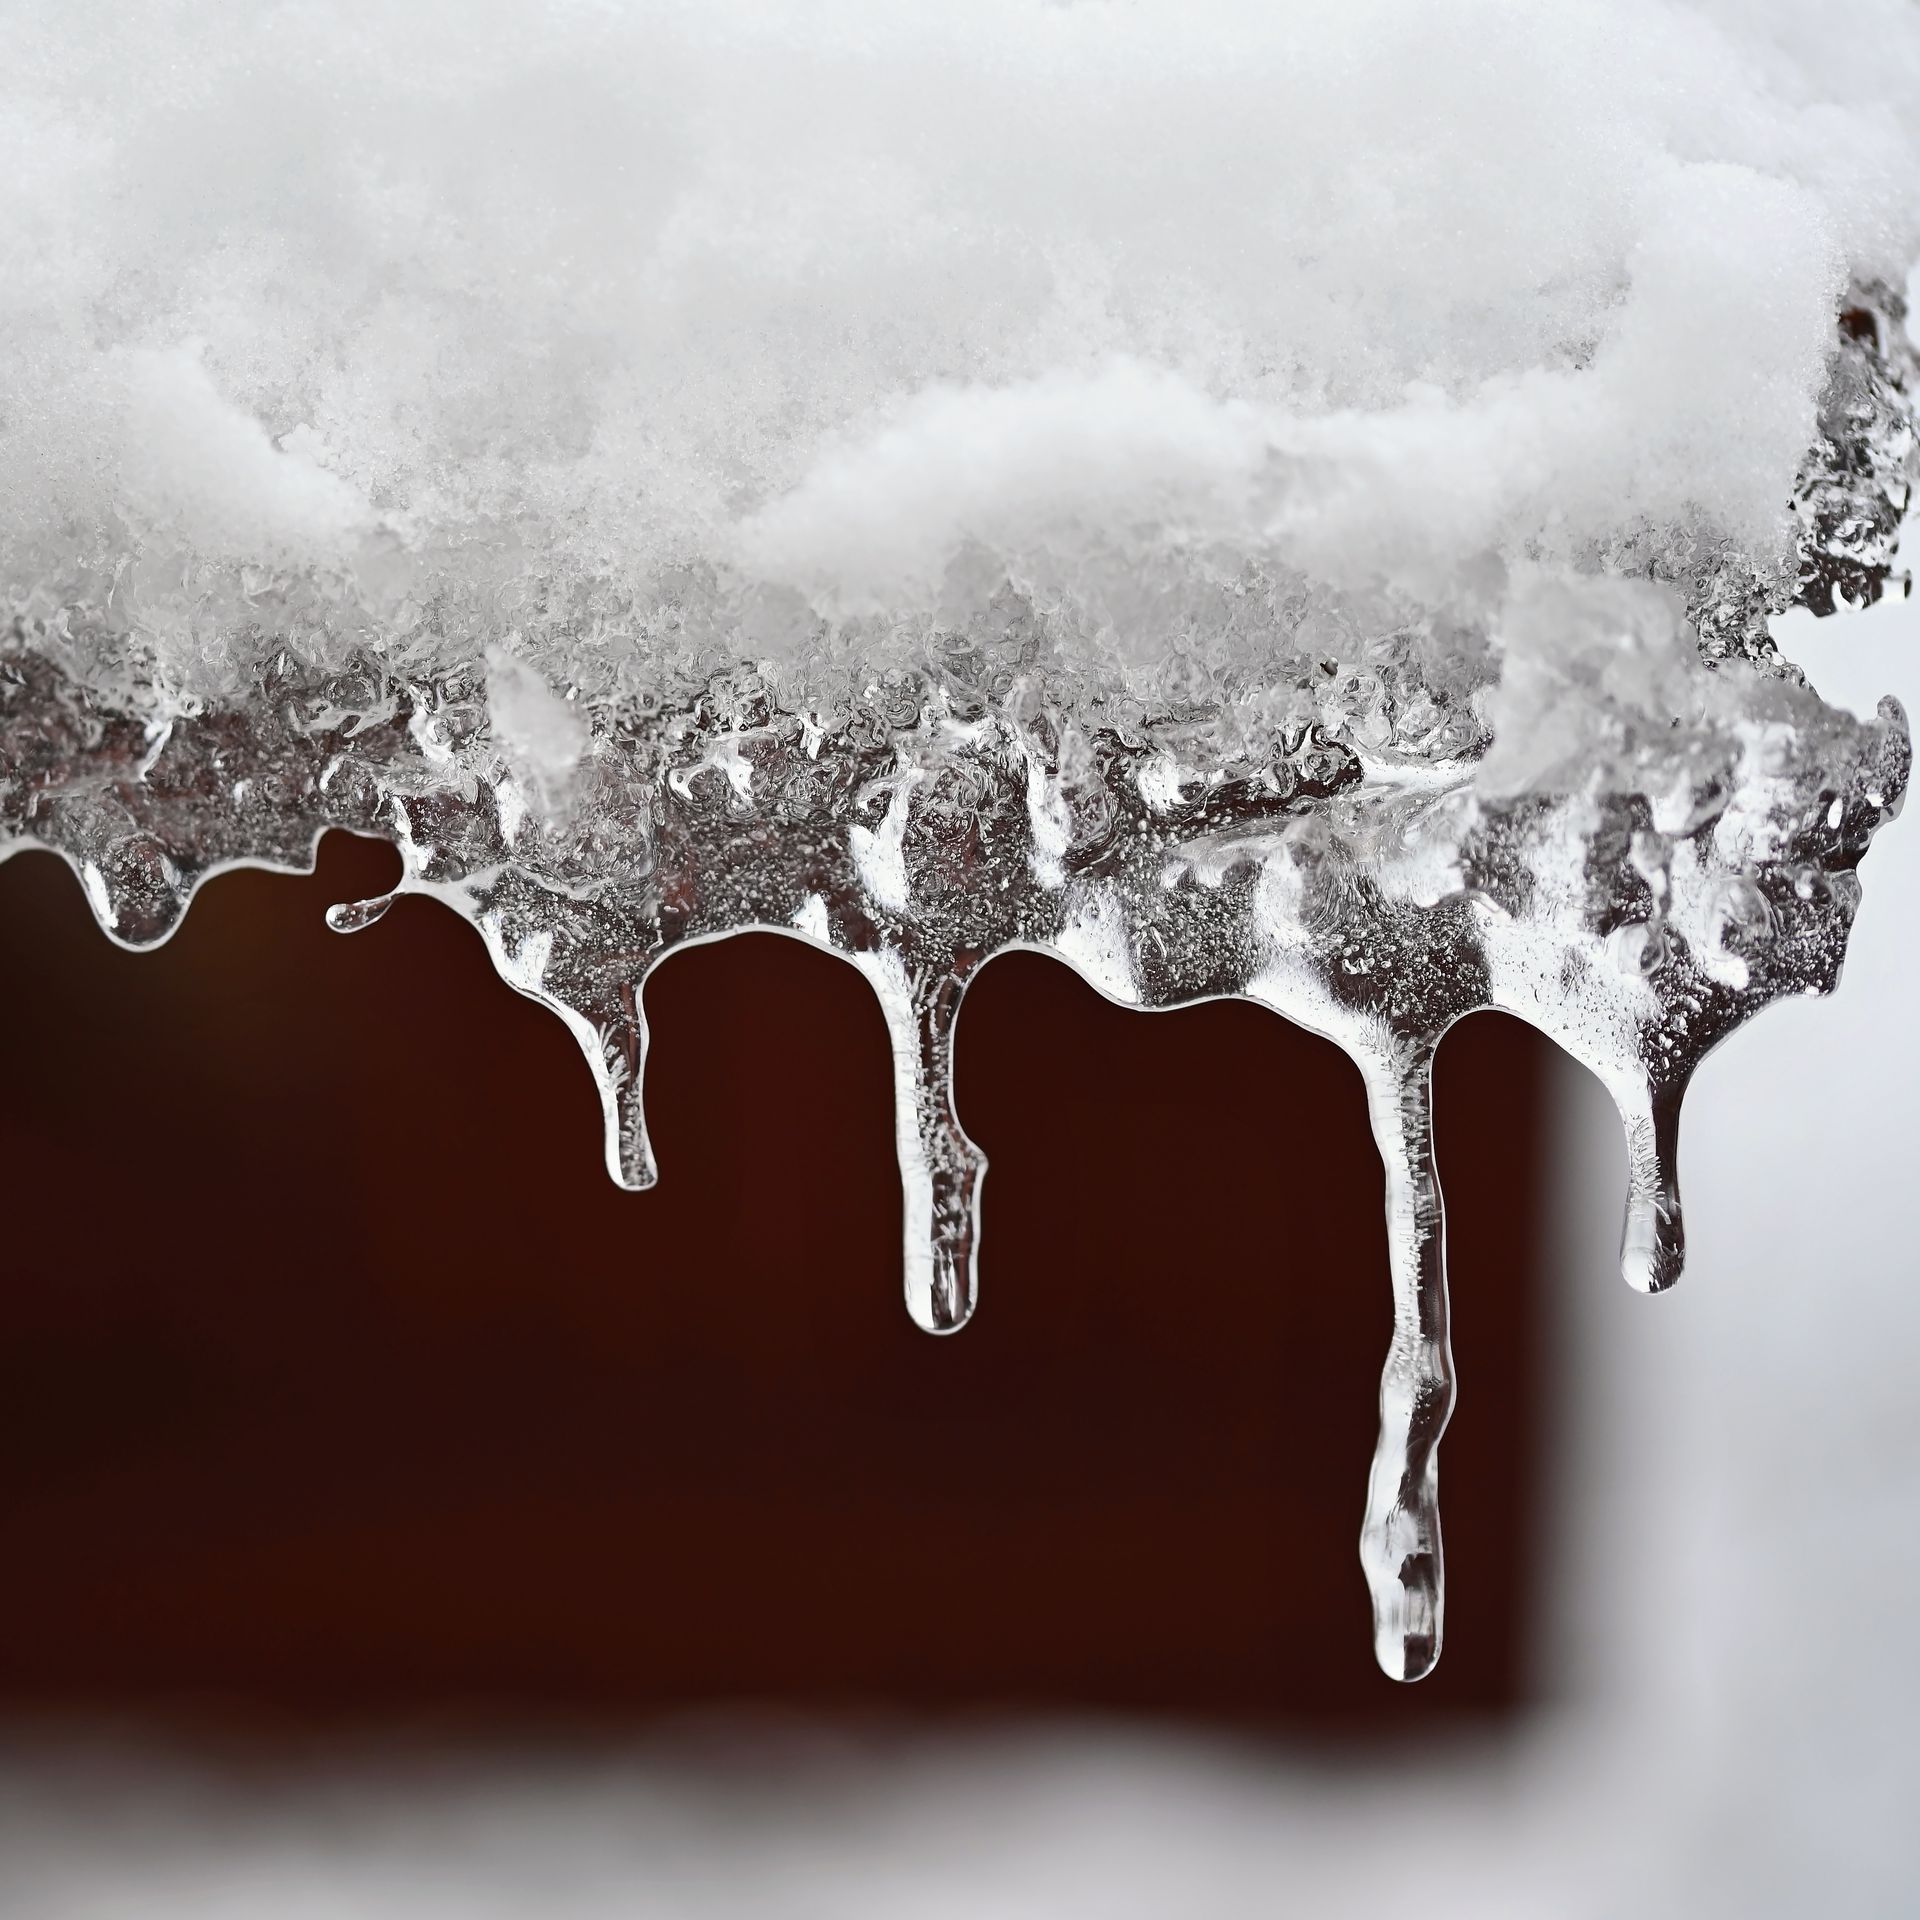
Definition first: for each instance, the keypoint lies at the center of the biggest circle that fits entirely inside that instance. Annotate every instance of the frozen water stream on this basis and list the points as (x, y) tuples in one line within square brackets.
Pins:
[(1370, 895), (1690, 1758)]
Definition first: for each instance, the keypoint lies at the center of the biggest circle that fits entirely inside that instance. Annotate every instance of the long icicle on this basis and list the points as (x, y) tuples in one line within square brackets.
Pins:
[(1400, 1540), (622, 1074), (940, 1168)]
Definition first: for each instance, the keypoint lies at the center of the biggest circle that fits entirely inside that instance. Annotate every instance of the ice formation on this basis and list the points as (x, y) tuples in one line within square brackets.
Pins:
[(1266, 501)]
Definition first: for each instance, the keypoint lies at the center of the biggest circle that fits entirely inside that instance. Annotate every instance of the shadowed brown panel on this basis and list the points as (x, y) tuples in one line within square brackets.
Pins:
[(337, 1381)]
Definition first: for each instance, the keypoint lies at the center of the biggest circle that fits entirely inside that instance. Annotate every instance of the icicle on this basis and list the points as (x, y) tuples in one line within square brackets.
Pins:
[(613, 1036), (1400, 1540), (940, 1168), (620, 1066), (1652, 1240)]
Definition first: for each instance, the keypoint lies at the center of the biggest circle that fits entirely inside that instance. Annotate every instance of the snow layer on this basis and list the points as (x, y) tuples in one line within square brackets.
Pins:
[(854, 309)]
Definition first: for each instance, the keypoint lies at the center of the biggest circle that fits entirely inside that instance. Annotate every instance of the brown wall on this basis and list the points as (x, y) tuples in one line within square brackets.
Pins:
[(336, 1381)]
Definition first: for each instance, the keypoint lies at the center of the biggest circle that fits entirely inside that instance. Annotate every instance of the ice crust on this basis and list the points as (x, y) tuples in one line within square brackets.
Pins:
[(1275, 501)]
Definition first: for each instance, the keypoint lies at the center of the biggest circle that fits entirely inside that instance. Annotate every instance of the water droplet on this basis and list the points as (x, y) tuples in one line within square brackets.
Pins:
[(355, 916)]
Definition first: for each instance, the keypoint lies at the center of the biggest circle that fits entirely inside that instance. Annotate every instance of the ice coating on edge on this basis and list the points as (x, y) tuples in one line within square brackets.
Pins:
[(1282, 508)]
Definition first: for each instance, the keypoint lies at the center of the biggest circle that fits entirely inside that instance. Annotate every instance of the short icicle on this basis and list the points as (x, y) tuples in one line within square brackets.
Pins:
[(622, 1075), (1400, 1541), (1652, 1239), (940, 1168)]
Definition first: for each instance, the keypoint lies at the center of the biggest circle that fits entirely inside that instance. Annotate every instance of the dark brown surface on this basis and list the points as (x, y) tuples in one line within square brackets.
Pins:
[(337, 1382)]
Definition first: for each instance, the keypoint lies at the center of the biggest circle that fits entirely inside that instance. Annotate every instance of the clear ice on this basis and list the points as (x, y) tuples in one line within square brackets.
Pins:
[(1634, 835)]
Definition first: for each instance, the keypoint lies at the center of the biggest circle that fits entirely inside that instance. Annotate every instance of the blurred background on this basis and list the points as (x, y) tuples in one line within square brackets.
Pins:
[(399, 1519)]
